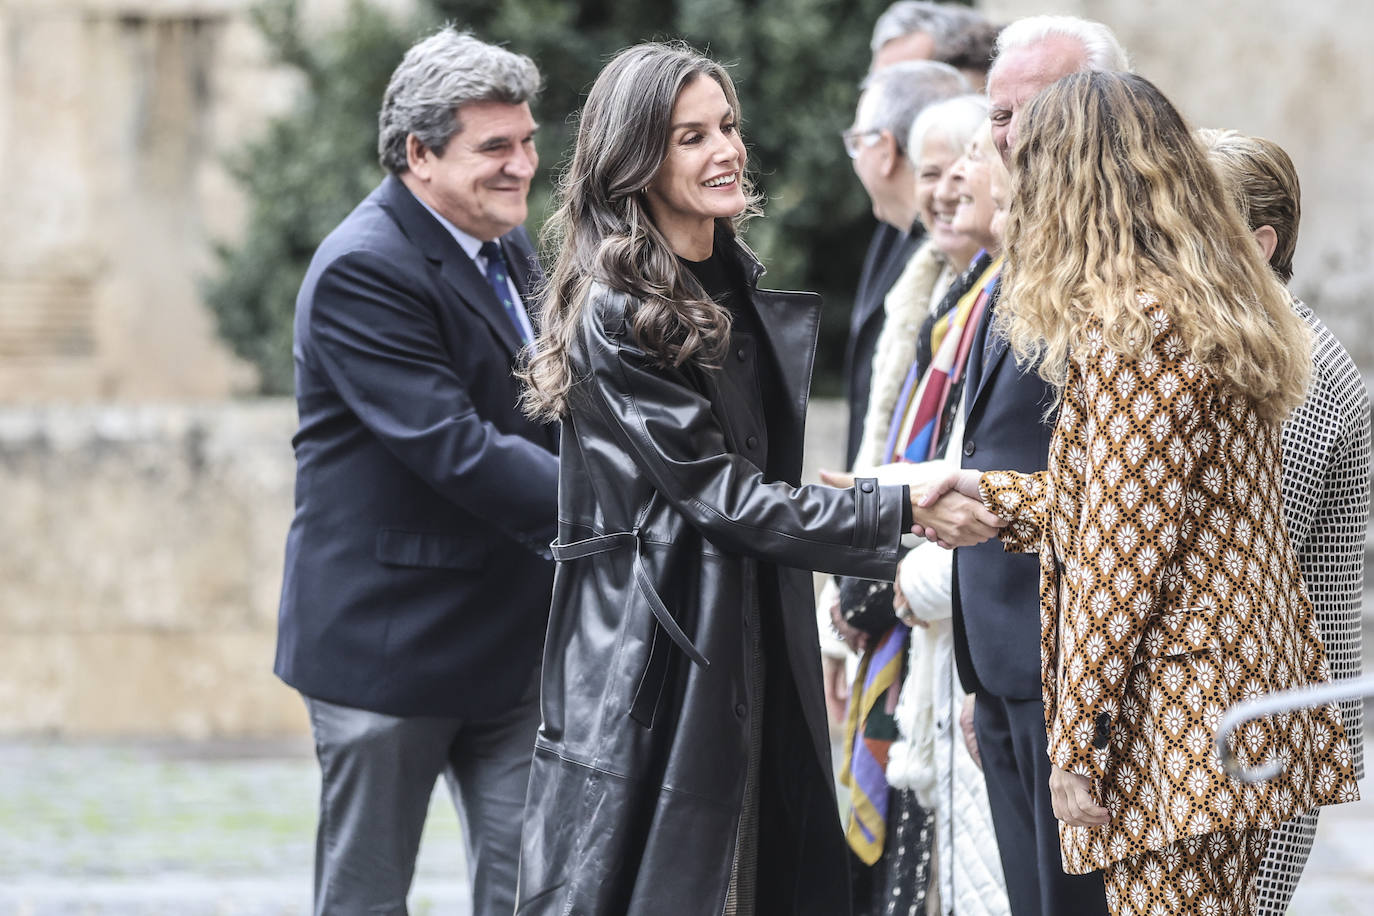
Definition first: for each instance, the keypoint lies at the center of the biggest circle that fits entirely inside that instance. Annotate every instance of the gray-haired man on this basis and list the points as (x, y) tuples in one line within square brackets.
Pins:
[(908, 31), (922, 30), (417, 579)]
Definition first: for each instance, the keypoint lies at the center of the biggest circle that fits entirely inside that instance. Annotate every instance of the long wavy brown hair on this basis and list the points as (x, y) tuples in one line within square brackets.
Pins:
[(602, 230), (1113, 196)]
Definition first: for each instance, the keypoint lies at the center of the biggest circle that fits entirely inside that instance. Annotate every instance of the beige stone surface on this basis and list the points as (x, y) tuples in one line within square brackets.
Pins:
[(138, 587), (142, 564), (145, 683), (116, 117)]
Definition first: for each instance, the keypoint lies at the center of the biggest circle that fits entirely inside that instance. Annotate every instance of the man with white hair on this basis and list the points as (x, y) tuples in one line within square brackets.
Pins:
[(996, 594), (1035, 52)]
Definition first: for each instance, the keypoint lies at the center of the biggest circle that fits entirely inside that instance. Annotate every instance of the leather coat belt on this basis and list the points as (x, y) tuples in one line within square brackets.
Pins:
[(605, 543)]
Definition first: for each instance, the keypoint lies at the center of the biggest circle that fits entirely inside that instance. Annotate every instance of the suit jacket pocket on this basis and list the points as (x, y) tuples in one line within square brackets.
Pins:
[(396, 547)]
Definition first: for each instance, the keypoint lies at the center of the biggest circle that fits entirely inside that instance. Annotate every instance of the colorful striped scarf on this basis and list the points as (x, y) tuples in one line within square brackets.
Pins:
[(921, 423), (921, 420), (867, 739)]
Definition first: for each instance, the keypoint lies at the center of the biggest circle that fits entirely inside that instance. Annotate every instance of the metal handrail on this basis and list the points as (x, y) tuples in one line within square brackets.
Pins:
[(1281, 701)]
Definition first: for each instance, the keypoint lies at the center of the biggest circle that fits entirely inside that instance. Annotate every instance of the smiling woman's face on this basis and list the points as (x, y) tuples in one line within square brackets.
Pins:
[(976, 207), (700, 178), (936, 156)]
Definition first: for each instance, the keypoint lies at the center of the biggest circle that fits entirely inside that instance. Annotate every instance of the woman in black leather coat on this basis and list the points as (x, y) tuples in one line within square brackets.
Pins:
[(683, 764)]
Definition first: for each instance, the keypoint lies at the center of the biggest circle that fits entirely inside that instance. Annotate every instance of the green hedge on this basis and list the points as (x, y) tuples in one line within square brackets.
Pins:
[(797, 64)]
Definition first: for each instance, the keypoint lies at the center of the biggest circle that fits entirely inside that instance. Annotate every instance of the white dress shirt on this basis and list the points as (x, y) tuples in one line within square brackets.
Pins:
[(472, 246)]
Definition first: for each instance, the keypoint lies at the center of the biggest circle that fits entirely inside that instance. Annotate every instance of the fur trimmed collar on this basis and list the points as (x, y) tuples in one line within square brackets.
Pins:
[(907, 305)]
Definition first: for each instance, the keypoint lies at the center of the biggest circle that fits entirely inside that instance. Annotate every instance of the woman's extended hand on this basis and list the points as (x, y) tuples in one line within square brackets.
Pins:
[(1073, 800), (951, 513), (856, 640), (963, 481)]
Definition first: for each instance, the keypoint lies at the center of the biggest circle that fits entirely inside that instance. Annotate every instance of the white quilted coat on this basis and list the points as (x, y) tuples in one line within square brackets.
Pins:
[(930, 758)]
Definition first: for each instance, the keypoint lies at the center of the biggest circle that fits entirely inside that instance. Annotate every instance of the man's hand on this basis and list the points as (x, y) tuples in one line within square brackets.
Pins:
[(953, 519), (836, 688), (966, 726), (1073, 800), (856, 640), (837, 479)]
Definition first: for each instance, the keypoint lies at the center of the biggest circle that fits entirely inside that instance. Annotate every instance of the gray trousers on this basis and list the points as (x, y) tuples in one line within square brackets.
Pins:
[(377, 775)]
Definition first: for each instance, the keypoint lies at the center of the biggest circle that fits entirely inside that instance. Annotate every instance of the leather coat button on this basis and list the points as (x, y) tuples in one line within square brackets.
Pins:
[(970, 448), (742, 353), (866, 486), (751, 442), (1102, 732), (740, 710)]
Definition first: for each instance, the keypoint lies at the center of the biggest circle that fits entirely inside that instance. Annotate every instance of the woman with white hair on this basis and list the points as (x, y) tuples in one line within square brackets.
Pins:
[(929, 792)]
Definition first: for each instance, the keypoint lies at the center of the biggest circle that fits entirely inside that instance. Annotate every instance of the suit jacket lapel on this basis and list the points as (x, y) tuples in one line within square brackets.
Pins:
[(458, 270), (476, 293), (989, 354), (887, 255)]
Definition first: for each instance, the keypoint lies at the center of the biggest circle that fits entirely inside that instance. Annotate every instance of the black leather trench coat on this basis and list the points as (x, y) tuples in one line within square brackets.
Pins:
[(668, 536)]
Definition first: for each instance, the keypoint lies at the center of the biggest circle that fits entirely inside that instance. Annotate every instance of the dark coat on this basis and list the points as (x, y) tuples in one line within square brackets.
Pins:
[(417, 578), (888, 253), (668, 537), (996, 595)]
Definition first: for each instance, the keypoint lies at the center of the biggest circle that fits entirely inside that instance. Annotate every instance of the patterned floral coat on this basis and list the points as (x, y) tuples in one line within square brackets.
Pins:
[(1169, 592)]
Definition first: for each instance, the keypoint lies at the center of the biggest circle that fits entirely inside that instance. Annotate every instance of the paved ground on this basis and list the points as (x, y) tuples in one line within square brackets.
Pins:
[(180, 830), (226, 830)]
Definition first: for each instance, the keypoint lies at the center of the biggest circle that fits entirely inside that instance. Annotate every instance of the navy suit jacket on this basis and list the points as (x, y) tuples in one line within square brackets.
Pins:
[(888, 253), (417, 577), (997, 594)]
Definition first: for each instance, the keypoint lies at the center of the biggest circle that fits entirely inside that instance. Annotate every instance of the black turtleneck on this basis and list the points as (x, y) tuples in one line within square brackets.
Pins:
[(723, 280)]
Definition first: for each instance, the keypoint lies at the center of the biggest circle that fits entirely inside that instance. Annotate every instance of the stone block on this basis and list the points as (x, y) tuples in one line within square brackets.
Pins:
[(145, 683)]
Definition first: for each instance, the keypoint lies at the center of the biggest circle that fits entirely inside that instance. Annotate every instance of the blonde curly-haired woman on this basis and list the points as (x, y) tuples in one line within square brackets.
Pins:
[(1169, 588)]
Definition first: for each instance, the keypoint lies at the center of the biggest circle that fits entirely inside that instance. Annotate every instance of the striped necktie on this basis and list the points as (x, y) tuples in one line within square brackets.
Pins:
[(500, 285)]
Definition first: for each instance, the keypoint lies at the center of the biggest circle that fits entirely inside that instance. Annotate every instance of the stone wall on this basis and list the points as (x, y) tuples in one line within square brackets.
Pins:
[(142, 563), (1293, 71), (138, 584), (119, 115)]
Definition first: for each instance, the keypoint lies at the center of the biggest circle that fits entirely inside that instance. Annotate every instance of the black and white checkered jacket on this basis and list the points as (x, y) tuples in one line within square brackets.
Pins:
[(1326, 452), (1326, 504)]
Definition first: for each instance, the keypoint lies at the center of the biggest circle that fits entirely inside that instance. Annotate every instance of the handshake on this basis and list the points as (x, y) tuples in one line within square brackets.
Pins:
[(948, 511)]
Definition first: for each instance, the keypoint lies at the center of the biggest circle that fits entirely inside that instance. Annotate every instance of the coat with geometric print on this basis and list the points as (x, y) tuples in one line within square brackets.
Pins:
[(1169, 592)]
